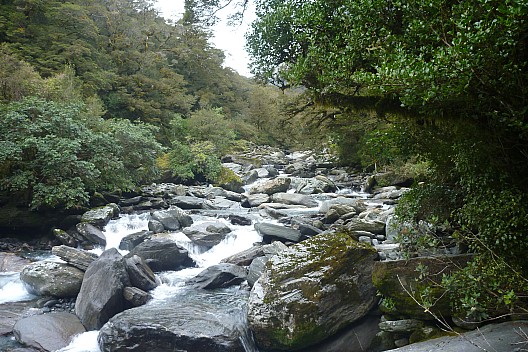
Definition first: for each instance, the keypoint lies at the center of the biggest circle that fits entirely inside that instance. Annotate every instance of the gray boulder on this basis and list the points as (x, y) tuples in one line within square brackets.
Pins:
[(255, 270), (162, 254), (65, 238), (294, 198), (276, 185), (219, 276), (91, 233), (373, 226), (52, 279), (140, 274), (311, 291), (358, 204), (99, 217), (207, 234), (136, 296), (75, 257), (172, 219), (130, 241), (254, 200), (187, 202), (501, 337), (245, 257), (318, 184), (101, 295), (155, 226), (48, 332), (271, 232), (196, 324)]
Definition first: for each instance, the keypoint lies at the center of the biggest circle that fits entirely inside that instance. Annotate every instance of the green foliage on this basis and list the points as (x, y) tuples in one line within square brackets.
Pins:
[(50, 155), (196, 161)]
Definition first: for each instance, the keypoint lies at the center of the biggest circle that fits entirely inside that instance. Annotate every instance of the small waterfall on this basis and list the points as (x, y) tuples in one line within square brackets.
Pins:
[(12, 289)]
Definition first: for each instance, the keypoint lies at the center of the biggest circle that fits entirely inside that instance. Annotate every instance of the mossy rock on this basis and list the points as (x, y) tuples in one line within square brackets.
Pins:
[(397, 280), (312, 290), (229, 180)]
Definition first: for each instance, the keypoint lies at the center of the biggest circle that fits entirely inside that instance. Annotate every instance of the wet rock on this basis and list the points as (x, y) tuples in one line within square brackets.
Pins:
[(197, 324), (272, 232), (186, 202), (48, 332), (245, 257), (255, 270), (401, 326), (91, 233), (11, 262), (319, 184), (358, 204), (162, 254), (219, 276), (155, 226), (293, 198), (494, 337), (276, 185), (99, 217), (140, 274), (130, 241), (152, 203), (311, 291), (308, 230), (255, 200), (65, 238), (173, 219), (239, 220), (373, 226), (52, 279), (75, 257), (207, 234), (11, 312), (136, 296), (101, 295), (131, 201)]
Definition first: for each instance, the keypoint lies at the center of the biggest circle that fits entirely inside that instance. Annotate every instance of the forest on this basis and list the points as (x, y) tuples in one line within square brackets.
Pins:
[(105, 95)]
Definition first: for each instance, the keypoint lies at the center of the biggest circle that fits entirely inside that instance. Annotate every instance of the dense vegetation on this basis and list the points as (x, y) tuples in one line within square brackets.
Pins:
[(105, 95), (448, 82)]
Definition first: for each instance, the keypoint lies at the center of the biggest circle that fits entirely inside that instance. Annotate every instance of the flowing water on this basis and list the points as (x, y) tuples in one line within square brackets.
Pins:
[(173, 282)]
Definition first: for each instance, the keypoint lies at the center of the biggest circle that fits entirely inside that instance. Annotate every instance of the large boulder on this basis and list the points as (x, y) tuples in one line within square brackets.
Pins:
[(48, 332), (101, 295), (99, 217), (276, 185), (197, 323), (187, 202), (130, 241), (358, 204), (254, 200), (73, 256), (398, 279), (162, 254), (52, 279), (294, 198), (140, 274), (494, 337), (91, 233), (207, 234), (318, 184), (219, 276), (374, 226), (312, 290), (172, 219), (272, 232)]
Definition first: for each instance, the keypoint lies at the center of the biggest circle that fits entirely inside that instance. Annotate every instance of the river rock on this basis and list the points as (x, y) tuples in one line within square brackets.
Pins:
[(239, 220), (140, 274), (501, 337), (162, 254), (318, 184), (397, 278), (255, 270), (245, 257), (187, 202), (195, 324), (173, 219), (276, 185), (130, 241), (358, 204), (91, 233), (65, 238), (10, 262), (312, 290), (48, 332), (255, 200), (373, 226), (219, 276), (272, 232), (294, 198), (100, 216), (101, 295), (52, 279), (75, 257), (401, 326), (155, 226), (207, 234), (136, 296)]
